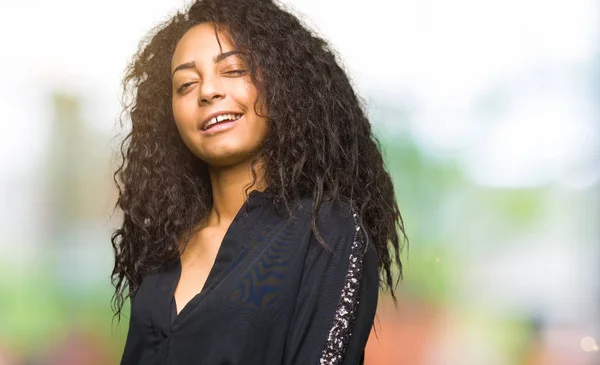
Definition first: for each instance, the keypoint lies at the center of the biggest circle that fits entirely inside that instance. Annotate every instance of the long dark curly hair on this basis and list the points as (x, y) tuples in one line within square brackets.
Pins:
[(320, 142)]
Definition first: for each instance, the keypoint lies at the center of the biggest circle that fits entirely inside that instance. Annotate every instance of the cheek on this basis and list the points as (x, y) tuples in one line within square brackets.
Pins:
[(183, 112), (252, 94), (245, 92), (260, 130)]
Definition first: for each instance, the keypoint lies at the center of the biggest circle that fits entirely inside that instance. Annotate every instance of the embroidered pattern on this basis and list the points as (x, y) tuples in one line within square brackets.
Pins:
[(340, 332)]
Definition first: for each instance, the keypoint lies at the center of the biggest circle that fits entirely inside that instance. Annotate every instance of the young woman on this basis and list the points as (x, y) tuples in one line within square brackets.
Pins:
[(257, 211)]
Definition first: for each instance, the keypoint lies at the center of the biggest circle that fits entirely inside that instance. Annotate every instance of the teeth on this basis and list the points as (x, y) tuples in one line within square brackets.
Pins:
[(222, 117), (211, 122)]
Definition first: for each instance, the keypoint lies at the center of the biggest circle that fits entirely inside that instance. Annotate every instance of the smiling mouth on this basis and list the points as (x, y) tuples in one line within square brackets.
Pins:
[(220, 119)]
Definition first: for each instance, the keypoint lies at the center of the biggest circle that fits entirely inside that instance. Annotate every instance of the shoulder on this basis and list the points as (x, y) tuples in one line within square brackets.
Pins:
[(337, 212), (337, 224)]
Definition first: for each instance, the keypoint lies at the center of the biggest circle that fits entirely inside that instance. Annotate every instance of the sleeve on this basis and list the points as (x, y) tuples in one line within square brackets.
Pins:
[(337, 297)]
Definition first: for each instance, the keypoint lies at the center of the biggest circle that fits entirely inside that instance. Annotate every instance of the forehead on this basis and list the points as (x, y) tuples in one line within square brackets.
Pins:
[(200, 43)]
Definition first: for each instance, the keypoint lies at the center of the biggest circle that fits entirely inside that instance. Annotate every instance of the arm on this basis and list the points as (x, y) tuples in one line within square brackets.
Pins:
[(337, 297)]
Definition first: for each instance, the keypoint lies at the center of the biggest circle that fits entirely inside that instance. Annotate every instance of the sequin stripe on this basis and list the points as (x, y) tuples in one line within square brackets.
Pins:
[(340, 332)]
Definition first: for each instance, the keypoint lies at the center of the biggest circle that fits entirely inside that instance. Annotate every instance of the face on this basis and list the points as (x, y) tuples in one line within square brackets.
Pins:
[(214, 99)]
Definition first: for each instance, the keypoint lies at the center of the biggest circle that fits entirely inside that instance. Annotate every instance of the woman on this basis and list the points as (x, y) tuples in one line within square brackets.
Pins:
[(257, 211)]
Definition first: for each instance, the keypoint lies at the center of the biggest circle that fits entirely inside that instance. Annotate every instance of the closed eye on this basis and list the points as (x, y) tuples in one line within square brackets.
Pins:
[(184, 86), (235, 72)]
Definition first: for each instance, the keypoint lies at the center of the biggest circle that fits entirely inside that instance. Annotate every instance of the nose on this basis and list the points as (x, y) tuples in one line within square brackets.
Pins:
[(210, 91)]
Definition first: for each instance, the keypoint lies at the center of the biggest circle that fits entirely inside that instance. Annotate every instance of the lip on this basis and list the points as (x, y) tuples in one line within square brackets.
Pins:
[(210, 116), (221, 127)]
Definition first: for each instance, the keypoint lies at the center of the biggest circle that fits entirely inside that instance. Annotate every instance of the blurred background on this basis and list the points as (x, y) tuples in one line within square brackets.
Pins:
[(488, 113)]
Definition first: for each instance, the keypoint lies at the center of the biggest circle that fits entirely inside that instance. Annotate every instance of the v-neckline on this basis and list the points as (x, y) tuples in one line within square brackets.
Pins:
[(224, 258), (193, 302)]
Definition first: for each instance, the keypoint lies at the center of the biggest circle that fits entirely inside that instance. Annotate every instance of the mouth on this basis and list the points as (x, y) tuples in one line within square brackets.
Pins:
[(219, 118)]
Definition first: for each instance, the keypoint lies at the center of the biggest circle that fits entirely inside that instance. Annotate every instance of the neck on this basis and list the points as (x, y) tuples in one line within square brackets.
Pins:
[(228, 190)]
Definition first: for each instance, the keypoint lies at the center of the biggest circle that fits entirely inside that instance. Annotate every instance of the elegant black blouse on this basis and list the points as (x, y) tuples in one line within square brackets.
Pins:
[(274, 295)]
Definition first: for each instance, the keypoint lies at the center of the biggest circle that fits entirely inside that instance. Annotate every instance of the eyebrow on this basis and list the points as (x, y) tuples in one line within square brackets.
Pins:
[(218, 58)]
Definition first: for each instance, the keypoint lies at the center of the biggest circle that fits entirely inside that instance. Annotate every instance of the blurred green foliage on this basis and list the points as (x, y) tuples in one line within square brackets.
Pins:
[(437, 201)]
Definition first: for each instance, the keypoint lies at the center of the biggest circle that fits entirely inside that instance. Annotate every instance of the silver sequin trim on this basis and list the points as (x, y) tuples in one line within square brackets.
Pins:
[(340, 332)]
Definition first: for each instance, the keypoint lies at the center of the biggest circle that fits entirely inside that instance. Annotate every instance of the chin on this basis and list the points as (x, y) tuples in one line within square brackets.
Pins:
[(226, 159), (224, 151)]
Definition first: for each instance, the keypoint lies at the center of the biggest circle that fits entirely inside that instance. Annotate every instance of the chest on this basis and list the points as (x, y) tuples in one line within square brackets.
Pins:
[(250, 279), (196, 264)]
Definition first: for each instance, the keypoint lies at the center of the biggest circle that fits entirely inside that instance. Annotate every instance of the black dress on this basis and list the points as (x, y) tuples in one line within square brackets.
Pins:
[(274, 296)]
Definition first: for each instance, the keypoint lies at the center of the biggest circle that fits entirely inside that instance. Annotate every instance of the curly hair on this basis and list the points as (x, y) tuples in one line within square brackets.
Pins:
[(320, 142)]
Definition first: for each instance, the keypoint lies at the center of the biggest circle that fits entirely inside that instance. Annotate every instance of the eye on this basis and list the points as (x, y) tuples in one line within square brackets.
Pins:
[(184, 87), (235, 72)]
